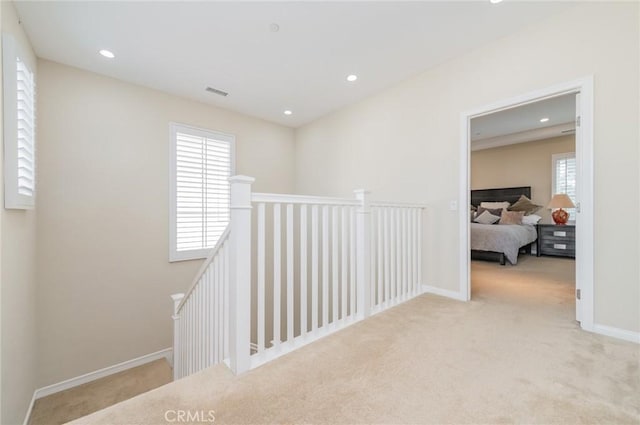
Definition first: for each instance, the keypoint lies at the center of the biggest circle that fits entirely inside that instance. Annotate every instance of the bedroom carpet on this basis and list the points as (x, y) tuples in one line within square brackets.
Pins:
[(512, 355)]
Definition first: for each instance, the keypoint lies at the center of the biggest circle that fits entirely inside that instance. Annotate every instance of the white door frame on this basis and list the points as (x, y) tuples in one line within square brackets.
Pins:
[(584, 159)]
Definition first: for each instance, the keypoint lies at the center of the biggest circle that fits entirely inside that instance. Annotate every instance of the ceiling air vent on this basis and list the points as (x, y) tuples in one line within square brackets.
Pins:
[(216, 91)]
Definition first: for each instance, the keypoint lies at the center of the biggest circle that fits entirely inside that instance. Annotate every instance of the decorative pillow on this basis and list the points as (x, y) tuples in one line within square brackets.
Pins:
[(486, 218), (524, 204), (531, 219), (494, 205), (511, 217), (493, 211)]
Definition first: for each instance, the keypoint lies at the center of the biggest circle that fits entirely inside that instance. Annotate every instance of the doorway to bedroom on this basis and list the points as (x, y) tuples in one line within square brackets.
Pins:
[(522, 160), (528, 220)]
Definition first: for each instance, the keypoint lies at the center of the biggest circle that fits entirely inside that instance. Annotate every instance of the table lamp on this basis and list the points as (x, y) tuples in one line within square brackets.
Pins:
[(560, 201)]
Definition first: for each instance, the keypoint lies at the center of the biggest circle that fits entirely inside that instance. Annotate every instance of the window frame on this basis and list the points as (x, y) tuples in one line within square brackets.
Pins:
[(554, 159), (174, 129), (11, 53)]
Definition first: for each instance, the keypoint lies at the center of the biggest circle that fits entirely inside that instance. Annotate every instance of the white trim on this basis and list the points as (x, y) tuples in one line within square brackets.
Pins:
[(427, 289), (585, 158), (617, 333), (167, 353), (27, 416)]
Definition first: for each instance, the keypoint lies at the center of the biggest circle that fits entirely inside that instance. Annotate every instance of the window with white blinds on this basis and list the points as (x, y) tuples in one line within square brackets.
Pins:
[(201, 163), (564, 178), (19, 127)]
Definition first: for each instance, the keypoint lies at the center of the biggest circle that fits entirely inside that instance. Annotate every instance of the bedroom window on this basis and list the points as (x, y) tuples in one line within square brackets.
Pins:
[(201, 163), (563, 178), (19, 127)]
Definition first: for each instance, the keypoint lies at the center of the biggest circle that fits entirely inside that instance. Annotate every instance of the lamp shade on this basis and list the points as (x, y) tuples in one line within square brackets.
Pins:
[(561, 200)]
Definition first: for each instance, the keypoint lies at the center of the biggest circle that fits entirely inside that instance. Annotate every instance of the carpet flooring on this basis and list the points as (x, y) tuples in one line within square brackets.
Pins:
[(82, 400), (514, 354)]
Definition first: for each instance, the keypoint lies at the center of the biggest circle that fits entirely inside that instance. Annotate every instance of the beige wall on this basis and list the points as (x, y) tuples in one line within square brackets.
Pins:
[(103, 218), (522, 164), (403, 143), (18, 281)]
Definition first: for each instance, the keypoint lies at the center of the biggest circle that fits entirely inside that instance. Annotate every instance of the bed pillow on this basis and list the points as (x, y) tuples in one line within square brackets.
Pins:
[(531, 219), (524, 204), (493, 211), (486, 218), (511, 217), (494, 205)]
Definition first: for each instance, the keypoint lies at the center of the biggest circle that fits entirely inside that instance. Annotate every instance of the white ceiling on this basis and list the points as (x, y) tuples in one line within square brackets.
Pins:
[(559, 110), (183, 47)]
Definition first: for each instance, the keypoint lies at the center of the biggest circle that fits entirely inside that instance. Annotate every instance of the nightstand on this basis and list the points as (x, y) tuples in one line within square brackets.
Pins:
[(556, 240)]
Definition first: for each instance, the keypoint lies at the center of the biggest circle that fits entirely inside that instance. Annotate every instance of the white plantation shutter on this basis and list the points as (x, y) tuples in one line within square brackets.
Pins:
[(26, 129), (564, 177), (19, 127), (202, 162)]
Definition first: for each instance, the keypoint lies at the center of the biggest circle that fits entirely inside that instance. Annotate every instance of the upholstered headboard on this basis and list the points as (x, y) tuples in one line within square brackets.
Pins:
[(509, 194)]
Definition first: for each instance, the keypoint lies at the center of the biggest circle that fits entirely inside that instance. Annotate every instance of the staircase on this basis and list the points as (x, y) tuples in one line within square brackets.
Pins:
[(291, 269)]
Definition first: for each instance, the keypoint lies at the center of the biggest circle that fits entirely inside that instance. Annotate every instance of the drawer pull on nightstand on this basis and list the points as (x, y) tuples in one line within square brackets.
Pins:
[(558, 233), (559, 246)]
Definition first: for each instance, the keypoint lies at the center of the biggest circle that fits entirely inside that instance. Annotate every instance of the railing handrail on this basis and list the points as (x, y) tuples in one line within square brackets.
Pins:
[(205, 265), (398, 204), (302, 199)]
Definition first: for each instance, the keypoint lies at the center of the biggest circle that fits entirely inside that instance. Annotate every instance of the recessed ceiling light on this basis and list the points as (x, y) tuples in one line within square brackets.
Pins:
[(544, 119), (274, 27), (495, 1), (288, 112), (351, 78), (107, 53)]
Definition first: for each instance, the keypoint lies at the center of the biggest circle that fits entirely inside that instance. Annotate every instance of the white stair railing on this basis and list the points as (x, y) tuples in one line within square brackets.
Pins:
[(314, 266), (201, 317)]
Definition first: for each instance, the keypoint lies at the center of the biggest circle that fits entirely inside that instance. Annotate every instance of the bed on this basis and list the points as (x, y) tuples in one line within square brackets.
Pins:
[(500, 242)]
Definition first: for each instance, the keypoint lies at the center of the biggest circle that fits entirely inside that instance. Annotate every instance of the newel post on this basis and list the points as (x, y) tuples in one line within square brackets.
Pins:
[(363, 253), (240, 274), (177, 358)]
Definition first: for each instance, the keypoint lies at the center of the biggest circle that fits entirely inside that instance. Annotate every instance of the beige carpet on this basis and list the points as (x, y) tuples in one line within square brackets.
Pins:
[(80, 401), (512, 355)]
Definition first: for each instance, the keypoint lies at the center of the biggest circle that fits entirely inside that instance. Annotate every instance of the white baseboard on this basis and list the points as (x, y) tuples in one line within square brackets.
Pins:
[(617, 333), (443, 292), (167, 353)]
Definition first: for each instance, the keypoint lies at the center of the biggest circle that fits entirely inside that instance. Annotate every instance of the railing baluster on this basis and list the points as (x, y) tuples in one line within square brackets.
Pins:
[(314, 268), (419, 252), (374, 261), (325, 265), (261, 276), (387, 265), (344, 263), (226, 305), (352, 262), (290, 264), (398, 256), (405, 257), (379, 256), (303, 270), (277, 265), (392, 243), (334, 264)]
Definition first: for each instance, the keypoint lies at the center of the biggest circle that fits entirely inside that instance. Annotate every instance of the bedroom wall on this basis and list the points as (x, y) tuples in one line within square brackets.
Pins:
[(103, 272), (403, 143), (522, 164), (18, 277)]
